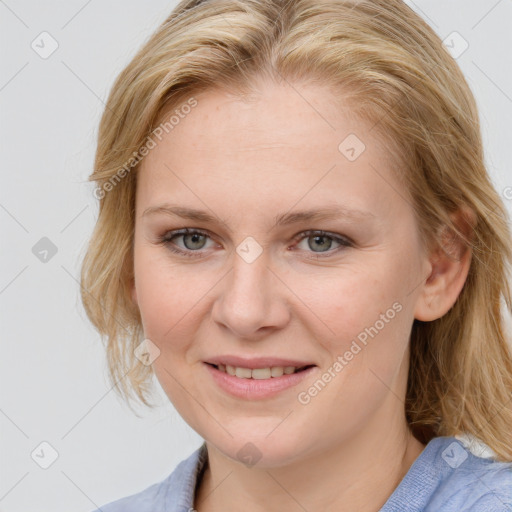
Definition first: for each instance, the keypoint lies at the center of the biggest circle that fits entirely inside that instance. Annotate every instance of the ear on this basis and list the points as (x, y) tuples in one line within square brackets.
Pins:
[(450, 262)]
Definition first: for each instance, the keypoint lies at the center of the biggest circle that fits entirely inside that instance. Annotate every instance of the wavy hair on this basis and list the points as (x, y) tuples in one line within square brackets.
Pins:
[(392, 70)]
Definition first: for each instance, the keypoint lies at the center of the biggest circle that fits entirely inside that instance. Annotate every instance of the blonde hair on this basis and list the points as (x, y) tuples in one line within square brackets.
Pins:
[(393, 71)]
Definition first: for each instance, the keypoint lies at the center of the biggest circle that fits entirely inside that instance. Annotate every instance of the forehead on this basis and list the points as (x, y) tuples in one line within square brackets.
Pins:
[(273, 116), (279, 143)]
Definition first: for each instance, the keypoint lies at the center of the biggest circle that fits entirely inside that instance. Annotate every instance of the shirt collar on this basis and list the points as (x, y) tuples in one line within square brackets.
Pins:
[(182, 486)]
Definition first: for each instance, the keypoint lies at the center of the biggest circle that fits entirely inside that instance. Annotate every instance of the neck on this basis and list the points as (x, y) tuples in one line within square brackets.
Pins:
[(358, 474)]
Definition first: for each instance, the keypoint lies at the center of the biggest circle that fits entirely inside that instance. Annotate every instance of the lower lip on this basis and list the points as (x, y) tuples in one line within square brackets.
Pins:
[(253, 389)]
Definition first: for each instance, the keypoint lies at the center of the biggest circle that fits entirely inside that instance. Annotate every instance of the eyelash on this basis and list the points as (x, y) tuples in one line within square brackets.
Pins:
[(166, 238)]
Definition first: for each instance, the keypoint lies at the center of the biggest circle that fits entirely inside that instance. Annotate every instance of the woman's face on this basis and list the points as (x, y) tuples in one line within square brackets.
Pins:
[(255, 286)]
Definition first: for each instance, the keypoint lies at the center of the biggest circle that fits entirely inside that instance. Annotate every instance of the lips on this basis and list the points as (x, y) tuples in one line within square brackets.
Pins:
[(255, 381), (259, 377)]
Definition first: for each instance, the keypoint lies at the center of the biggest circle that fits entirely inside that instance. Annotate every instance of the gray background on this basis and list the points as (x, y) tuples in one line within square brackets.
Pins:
[(52, 368)]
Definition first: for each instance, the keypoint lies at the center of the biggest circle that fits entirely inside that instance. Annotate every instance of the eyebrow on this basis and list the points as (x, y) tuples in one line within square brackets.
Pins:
[(284, 219)]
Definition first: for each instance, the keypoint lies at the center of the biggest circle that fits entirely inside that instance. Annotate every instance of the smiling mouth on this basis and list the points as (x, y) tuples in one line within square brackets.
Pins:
[(259, 373)]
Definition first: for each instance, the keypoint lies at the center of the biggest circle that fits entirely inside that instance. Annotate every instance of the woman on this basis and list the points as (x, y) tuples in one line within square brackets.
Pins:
[(298, 236)]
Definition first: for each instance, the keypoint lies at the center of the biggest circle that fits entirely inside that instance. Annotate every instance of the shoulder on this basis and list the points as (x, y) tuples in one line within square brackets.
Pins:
[(451, 475), (470, 479), (143, 501), (175, 491)]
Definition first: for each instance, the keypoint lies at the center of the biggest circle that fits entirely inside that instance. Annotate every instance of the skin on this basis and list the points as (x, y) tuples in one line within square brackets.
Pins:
[(245, 162)]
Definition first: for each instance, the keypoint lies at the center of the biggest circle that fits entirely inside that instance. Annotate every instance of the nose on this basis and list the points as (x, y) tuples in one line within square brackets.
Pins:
[(252, 300)]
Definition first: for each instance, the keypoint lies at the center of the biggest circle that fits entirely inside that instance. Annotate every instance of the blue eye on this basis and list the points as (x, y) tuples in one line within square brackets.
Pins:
[(322, 241), (194, 241)]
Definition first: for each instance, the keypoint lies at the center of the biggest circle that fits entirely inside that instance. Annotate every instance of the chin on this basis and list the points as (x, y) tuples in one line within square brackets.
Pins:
[(259, 450)]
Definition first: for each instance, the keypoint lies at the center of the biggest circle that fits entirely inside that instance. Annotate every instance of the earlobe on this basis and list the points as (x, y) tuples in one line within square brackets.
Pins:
[(450, 263)]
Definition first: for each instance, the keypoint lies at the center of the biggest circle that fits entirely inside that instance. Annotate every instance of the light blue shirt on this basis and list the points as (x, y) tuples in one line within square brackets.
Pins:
[(446, 477)]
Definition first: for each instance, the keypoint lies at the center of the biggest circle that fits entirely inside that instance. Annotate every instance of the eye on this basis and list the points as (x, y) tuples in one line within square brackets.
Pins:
[(321, 242), (193, 241)]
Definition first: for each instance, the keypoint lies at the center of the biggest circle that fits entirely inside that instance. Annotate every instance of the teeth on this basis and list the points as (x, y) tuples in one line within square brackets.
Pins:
[(261, 373), (243, 373), (276, 371), (257, 373)]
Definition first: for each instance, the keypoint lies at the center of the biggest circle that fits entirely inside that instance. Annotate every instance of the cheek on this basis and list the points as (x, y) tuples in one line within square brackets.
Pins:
[(365, 318), (347, 301), (161, 296), (171, 298)]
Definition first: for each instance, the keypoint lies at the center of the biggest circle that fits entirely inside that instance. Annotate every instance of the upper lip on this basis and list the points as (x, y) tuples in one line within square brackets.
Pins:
[(257, 362)]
